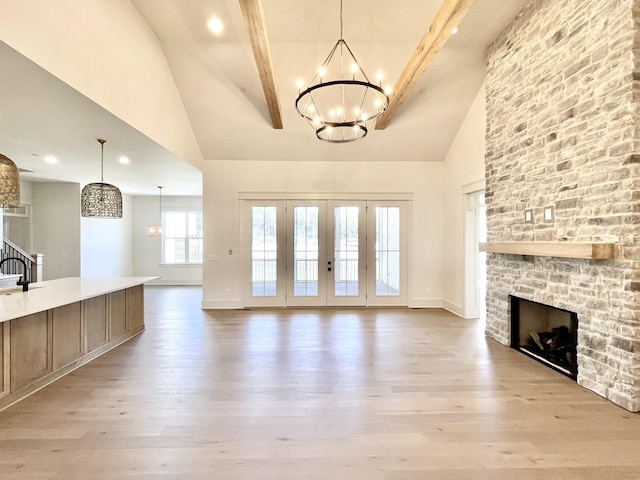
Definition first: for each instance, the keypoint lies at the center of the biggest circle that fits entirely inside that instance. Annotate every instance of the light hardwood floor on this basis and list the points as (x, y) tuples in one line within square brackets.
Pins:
[(348, 394)]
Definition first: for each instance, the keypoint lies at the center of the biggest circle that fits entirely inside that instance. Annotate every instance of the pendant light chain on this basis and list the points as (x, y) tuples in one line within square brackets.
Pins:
[(102, 142)]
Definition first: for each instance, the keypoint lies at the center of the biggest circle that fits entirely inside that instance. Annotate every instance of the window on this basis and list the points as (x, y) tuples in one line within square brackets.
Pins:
[(182, 237)]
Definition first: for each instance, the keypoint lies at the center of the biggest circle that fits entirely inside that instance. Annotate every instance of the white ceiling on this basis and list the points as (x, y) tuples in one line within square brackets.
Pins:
[(219, 85), (40, 115)]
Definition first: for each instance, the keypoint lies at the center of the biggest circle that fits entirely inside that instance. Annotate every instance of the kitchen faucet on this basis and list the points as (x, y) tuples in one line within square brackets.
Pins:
[(25, 282)]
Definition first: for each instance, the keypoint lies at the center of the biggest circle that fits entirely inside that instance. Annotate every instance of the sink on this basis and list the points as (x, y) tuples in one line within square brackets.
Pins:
[(8, 280)]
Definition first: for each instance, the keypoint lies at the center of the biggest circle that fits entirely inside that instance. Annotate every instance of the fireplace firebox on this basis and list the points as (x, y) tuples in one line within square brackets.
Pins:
[(546, 334)]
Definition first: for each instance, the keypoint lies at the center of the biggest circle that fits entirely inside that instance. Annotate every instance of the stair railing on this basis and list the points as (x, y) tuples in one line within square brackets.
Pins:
[(33, 262)]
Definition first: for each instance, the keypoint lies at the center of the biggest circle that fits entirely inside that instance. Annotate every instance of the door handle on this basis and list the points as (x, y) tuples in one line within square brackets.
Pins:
[(328, 266)]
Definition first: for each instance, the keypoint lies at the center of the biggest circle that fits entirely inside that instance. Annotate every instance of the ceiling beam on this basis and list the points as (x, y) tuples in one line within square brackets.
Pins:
[(256, 27), (448, 17)]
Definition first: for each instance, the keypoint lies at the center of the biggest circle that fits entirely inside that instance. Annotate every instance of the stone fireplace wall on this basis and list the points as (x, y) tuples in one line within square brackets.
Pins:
[(563, 131)]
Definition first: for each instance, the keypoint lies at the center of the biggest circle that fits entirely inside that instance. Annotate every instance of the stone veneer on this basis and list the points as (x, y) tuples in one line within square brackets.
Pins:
[(563, 131)]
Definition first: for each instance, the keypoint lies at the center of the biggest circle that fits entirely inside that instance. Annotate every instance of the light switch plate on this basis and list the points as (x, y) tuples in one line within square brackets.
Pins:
[(528, 216)]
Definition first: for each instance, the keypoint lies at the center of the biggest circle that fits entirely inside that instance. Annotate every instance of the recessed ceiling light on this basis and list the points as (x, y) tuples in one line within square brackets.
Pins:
[(124, 160), (454, 31), (215, 25), (51, 159)]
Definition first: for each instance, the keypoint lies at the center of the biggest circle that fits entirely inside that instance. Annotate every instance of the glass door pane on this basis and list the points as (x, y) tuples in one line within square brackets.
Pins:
[(347, 254), (306, 253), (345, 251), (387, 259), (387, 251), (264, 251), (263, 237)]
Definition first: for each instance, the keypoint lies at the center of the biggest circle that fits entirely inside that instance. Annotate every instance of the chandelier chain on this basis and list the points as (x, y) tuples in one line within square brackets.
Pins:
[(341, 24)]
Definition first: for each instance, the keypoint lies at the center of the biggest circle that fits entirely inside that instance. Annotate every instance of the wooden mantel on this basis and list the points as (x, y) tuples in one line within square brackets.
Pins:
[(593, 251)]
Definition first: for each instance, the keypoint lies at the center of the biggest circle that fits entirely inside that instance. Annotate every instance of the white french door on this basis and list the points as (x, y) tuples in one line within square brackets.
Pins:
[(326, 256), (387, 253), (263, 233), (324, 253)]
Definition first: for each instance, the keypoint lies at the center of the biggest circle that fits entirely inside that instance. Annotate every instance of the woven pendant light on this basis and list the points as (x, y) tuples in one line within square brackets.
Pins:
[(101, 200), (9, 183)]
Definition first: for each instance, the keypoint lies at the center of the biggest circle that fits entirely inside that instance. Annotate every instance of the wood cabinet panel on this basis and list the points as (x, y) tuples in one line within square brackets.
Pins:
[(135, 311), (95, 322), (67, 334), (30, 349), (117, 313), (38, 348)]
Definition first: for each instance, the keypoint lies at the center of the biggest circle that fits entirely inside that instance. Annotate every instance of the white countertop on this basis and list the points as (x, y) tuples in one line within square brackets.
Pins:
[(43, 296)]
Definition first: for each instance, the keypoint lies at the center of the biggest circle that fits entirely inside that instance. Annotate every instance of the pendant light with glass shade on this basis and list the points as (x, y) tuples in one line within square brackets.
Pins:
[(99, 199), (155, 230), (9, 183)]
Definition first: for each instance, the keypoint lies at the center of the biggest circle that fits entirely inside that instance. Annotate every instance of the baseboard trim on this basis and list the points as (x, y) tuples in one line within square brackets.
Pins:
[(453, 308), (425, 303), (175, 282), (221, 305)]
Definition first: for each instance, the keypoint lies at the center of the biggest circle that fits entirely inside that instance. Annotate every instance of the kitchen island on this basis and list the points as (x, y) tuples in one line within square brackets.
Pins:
[(59, 325)]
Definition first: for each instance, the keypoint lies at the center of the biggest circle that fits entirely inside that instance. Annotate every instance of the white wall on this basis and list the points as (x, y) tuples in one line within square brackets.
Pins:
[(463, 171), (93, 247), (56, 227), (26, 192), (107, 244), (87, 44), (225, 180), (148, 250)]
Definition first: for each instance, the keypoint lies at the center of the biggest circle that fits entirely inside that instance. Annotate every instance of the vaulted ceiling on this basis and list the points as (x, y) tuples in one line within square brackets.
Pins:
[(220, 84)]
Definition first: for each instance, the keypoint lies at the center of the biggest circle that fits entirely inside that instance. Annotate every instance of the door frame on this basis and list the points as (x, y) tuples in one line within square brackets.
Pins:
[(359, 300), (246, 228), (475, 261), (319, 300), (246, 198), (388, 300)]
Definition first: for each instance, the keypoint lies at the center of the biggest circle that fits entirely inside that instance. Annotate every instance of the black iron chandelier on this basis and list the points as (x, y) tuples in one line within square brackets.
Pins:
[(340, 100)]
